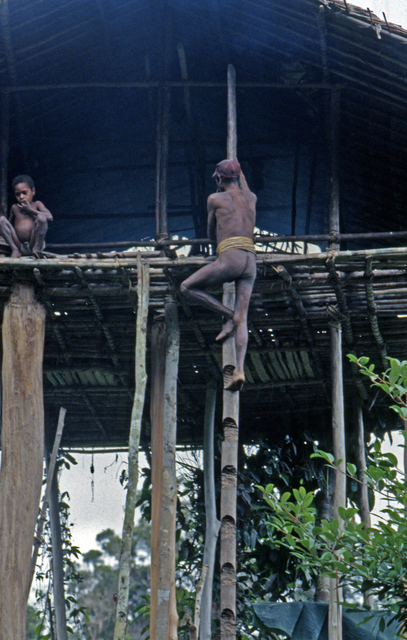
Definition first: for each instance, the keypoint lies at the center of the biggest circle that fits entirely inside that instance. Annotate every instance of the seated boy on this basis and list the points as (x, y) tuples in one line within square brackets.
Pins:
[(28, 221)]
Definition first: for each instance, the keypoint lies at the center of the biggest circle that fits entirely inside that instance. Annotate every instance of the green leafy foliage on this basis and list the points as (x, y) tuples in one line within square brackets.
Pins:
[(264, 570), (369, 559)]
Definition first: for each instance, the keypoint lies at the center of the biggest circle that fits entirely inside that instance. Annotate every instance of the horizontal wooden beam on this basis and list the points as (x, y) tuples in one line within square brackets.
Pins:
[(151, 84)]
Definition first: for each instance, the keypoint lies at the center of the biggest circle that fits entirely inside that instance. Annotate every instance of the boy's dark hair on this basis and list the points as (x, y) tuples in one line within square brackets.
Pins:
[(23, 178)]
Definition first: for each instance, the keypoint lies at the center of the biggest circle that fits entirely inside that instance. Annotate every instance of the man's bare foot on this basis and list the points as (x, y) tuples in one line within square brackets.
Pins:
[(233, 380), (15, 254), (228, 329)]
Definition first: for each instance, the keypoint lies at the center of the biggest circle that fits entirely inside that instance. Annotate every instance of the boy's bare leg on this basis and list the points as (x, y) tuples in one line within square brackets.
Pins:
[(211, 275), (8, 232), (244, 287), (38, 233)]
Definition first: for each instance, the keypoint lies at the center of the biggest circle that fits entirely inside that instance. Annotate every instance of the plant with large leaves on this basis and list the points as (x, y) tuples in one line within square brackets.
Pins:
[(370, 559)]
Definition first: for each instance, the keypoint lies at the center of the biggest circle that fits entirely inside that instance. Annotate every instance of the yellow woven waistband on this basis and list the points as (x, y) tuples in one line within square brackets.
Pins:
[(237, 242)]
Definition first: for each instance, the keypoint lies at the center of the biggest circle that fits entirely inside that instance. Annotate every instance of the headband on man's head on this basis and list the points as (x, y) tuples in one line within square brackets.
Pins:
[(227, 169)]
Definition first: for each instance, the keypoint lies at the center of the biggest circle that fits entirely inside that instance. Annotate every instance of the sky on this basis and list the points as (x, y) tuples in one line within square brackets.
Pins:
[(97, 498), (395, 10)]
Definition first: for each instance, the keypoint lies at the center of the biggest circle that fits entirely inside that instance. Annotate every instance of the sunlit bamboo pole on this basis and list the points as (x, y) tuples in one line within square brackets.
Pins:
[(339, 452), (134, 441)]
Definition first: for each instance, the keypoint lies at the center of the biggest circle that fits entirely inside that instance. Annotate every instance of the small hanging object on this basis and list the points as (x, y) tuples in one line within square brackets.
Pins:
[(92, 482)]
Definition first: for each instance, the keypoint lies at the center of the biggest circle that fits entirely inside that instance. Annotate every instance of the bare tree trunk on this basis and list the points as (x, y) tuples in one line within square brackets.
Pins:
[(212, 523), (167, 617), (143, 281), (22, 441)]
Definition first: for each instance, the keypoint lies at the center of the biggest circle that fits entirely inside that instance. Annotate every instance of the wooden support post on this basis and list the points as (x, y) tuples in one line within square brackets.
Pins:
[(338, 420), (363, 488), (333, 142), (167, 617), (57, 561), (199, 208), (228, 488), (158, 337), (22, 440), (231, 146), (212, 523), (143, 287), (231, 432), (4, 149), (339, 452), (163, 120)]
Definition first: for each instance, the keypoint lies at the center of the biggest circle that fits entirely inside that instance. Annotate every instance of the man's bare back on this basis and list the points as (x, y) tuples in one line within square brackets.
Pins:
[(26, 227), (231, 220)]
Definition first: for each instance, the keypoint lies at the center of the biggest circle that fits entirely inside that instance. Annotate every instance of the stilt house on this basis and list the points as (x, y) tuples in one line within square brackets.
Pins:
[(119, 111)]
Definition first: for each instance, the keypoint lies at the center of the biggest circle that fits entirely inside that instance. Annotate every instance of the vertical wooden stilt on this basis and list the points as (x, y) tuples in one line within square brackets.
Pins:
[(167, 618), (338, 420), (164, 104), (212, 523), (339, 452), (333, 143), (229, 489), (4, 148), (57, 561), (363, 488), (158, 338), (231, 432), (22, 440), (143, 283), (364, 496)]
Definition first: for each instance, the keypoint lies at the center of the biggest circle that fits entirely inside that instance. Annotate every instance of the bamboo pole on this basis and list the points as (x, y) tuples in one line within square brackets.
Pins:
[(338, 421), (212, 523), (45, 501), (4, 151), (22, 441), (158, 341), (120, 626), (57, 560), (339, 452), (230, 419), (363, 488), (151, 84), (228, 488), (334, 131), (163, 117), (167, 617)]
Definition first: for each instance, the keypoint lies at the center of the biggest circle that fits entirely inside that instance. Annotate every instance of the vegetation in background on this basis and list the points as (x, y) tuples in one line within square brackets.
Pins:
[(370, 559)]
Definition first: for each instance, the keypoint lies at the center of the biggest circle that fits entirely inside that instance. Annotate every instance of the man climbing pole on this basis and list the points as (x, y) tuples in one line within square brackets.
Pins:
[(231, 220)]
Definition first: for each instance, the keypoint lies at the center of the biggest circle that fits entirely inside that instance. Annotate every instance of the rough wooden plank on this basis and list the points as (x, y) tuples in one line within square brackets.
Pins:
[(22, 453)]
